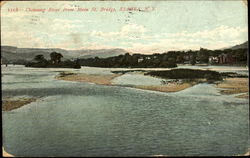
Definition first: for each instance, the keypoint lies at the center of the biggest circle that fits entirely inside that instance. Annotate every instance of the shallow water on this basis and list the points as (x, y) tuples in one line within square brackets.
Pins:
[(136, 79), (81, 119)]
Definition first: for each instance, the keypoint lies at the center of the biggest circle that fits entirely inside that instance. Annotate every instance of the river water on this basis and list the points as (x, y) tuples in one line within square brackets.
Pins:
[(83, 119)]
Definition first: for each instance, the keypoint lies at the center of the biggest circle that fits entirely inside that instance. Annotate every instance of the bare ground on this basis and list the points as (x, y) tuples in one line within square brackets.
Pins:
[(235, 86), (173, 87), (95, 78)]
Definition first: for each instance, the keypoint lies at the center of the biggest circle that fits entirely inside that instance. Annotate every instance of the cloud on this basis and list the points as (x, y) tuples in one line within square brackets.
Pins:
[(132, 28), (84, 45), (219, 33), (23, 39), (95, 45), (217, 38), (65, 33), (162, 46), (129, 31)]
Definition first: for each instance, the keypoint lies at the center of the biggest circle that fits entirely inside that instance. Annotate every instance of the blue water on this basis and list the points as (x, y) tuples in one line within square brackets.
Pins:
[(81, 119)]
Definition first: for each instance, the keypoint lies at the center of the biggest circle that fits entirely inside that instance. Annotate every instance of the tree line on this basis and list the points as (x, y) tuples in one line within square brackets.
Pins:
[(54, 62), (167, 59)]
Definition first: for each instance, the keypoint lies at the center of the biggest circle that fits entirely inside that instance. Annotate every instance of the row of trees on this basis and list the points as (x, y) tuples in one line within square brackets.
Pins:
[(127, 60), (55, 58), (55, 61), (167, 59)]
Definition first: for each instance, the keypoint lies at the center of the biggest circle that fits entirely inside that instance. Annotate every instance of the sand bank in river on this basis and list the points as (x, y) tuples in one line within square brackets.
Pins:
[(235, 86), (172, 87), (104, 79), (9, 104), (230, 85), (107, 78)]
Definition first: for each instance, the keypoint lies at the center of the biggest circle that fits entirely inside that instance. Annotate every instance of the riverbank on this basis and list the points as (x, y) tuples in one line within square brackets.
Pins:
[(5, 154), (9, 104), (234, 86), (246, 154)]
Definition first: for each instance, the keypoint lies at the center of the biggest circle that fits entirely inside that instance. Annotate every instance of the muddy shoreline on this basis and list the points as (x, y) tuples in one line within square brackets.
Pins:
[(9, 104)]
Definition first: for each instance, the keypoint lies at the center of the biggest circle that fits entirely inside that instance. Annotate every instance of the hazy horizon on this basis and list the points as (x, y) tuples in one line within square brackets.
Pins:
[(110, 49)]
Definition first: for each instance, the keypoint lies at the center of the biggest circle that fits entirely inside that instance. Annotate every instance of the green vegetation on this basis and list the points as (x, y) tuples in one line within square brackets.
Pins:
[(232, 56), (187, 74), (233, 75), (171, 59), (126, 71), (168, 59), (63, 74), (132, 61), (54, 62)]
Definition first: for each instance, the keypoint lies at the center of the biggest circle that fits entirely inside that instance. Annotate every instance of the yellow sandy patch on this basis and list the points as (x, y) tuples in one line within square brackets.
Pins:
[(246, 95), (234, 86), (93, 78), (246, 154), (5, 154), (173, 87), (10, 104)]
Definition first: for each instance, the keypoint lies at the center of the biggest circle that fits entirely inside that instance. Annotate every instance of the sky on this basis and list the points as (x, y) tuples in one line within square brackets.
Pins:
[(163, 26)]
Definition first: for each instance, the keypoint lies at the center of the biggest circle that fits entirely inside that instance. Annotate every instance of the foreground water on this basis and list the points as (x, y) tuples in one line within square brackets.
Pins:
[(82, 119)]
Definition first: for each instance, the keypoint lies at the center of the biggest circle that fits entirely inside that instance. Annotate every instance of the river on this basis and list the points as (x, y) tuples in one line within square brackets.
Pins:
[(83, 119)]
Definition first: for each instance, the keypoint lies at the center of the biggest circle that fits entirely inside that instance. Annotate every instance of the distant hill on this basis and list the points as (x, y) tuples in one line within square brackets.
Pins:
[(23, 55), (16, 55), (243, 45), (101, 53)]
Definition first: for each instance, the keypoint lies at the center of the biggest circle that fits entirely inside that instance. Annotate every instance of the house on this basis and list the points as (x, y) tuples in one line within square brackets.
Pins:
[(140, 60), (213, 59), (226, 59)]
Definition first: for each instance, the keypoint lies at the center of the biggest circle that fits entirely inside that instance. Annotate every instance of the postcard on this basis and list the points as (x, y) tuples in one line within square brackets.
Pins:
[(124, 78)]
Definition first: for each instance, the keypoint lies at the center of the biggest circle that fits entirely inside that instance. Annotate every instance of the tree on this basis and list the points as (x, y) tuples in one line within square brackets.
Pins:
[(39, 58), (193, 58), (56, 57)]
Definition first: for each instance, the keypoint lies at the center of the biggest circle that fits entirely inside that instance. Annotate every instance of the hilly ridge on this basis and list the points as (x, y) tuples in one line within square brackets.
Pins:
[(11, 54), (17, 55)]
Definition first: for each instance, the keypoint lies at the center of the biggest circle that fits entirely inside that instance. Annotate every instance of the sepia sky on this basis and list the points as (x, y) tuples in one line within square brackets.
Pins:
[(167, 25)]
